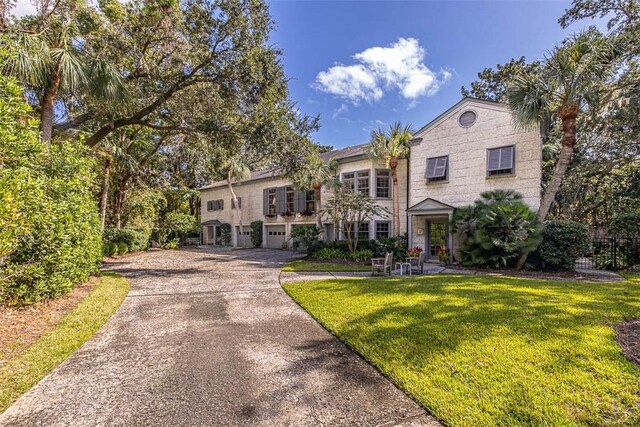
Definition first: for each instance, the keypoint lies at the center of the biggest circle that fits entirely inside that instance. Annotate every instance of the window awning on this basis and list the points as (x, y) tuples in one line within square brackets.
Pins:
[(211, 222)]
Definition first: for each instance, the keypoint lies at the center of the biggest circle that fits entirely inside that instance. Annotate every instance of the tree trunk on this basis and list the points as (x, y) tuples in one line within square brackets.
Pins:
[(47, 107), (568, 114), (104, 196), (121, 196), (393, 165), (237, 209)]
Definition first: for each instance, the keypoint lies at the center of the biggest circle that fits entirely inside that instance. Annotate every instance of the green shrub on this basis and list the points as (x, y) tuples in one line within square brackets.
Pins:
[(256, 233), (305, 236), (496, 230), (171, 244), (137, 239), (225, 234), (330, 253), (563, 242), (626, 224), (396, 245), (316, 246), (360, 255), (109, 249), (122, 248), (176, 226), (49, 225)]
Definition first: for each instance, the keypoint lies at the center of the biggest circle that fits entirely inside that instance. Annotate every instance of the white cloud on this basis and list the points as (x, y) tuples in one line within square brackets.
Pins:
[(340, 110), (398, 67)]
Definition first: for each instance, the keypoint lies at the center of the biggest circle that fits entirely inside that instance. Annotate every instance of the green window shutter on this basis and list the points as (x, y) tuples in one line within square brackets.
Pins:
[(281, 199), (265, 201)]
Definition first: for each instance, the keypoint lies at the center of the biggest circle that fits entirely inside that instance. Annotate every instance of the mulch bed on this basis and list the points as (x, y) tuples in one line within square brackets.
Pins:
[(20, 327), (628, 336)]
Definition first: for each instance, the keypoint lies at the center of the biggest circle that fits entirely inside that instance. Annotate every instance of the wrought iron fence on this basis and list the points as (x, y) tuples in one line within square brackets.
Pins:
[(610, 253)]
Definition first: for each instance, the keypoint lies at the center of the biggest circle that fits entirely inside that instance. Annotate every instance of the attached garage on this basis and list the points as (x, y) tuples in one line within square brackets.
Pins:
[(276, 235)]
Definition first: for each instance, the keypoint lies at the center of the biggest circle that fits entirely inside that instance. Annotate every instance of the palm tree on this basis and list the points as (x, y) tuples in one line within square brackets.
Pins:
[(390, 146), (564, 88), (52, 62), (315, 174), (236, 170)]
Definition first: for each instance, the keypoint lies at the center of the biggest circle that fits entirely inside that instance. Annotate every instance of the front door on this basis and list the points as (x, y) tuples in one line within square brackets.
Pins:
[(211, 235), (437, 237)]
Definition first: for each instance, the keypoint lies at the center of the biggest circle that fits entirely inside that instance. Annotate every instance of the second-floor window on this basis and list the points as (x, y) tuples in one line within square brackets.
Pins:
[(356, 181), (290, 197), (310, 199), (271, 195), (215, 205), (437, 169), (500, 161), (383, 184)]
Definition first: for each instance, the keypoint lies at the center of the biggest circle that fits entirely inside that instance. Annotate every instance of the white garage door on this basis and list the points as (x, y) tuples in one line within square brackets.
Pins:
[(275, 236)]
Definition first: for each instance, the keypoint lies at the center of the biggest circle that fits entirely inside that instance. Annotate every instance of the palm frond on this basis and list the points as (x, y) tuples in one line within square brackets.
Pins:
[(28, 59)]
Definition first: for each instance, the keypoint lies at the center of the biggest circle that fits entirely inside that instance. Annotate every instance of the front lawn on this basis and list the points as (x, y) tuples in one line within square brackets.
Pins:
[(301, 265), (25, 368), (491, 351)]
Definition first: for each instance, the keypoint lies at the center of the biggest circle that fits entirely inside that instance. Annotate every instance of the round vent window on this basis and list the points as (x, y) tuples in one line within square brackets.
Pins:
[(468, 118)]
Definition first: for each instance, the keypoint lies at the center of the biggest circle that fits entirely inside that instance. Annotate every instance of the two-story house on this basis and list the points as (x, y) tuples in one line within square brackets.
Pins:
[(470, 148)]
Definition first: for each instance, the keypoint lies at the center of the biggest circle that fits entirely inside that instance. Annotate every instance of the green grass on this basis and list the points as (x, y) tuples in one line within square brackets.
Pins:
[(491, 351), (24, 371), (300, 265)]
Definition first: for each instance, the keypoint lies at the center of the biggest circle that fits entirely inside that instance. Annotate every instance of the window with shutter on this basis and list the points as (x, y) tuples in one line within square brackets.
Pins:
[(310, 201), (290, 197), (271, 201), (500, 161), (209, 205), (437, 169)]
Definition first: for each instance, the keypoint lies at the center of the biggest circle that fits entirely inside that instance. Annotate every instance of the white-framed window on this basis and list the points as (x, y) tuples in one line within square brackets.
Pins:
[(383, 229), (383, 183), (501, 160), (363, 231), (310, 201), (290, 195), (271, 194), (357, 181), (437, 169)]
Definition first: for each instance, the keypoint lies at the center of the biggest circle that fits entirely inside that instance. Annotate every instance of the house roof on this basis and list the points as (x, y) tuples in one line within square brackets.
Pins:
[(342, 154), (429, 205)]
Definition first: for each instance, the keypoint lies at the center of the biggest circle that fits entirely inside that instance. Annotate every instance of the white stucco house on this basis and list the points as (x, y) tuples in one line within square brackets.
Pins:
[(470, 148)]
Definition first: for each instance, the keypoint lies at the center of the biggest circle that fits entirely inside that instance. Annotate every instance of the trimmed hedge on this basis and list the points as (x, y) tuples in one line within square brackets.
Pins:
[(136, 239), (562, 243)]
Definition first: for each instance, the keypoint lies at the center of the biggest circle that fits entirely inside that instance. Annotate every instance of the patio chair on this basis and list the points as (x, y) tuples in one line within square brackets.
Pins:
[(419, 266), (380, 266)]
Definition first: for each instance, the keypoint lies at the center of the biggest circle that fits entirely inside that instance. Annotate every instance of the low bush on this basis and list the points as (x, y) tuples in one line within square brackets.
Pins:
[(256, 233), (136, 239), (360, 255), (396, 245), (562, 243), (171, 244), (305, 236), (316, 246), (496, 230), (176, 226), (122, 248), (109, 249), (330, 253)]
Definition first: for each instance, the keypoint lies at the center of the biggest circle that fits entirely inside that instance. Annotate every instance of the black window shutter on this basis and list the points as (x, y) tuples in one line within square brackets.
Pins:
[(281, 200)]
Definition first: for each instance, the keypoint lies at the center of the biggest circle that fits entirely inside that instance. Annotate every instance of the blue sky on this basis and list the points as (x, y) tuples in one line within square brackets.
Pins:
[(362, 65)]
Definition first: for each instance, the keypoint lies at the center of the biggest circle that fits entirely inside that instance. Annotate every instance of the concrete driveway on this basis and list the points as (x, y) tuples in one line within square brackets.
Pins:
[(210, 338)]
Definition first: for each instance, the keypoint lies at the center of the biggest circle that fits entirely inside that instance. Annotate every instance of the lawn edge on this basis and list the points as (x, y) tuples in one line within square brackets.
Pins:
[(288, 268), (41, 358), (353, 350)]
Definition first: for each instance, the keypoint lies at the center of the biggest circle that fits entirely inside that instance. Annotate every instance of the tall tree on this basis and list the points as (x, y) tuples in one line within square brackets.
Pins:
[(50, 59), (236, 170), (492, 83), (390, 146), (316, 174), (569, 78)]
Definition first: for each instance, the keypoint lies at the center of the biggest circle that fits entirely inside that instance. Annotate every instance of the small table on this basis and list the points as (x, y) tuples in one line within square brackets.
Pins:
[(404, 267)]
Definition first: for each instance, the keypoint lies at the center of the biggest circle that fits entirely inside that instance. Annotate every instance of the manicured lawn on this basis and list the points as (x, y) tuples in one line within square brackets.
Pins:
[(300, 265), (24, 370), (489, 351)]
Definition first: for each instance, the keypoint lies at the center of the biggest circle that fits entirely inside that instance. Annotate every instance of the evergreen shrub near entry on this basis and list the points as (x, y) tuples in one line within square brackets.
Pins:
[(256, 233), (496, 229), (49, 225)]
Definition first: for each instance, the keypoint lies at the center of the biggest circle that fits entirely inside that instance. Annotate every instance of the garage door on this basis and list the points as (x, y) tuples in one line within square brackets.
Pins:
[(275, 236)]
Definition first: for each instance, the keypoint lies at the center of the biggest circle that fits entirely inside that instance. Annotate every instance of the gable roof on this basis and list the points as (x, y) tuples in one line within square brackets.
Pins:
[(466, 100), (354, 152), (429, 205)]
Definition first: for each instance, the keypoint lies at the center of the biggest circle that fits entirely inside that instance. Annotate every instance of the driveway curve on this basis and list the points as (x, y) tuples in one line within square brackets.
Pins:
[(208, 338)]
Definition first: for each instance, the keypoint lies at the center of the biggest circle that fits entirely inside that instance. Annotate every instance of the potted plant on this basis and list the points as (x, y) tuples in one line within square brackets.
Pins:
[(443, 255), (414, 252)]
